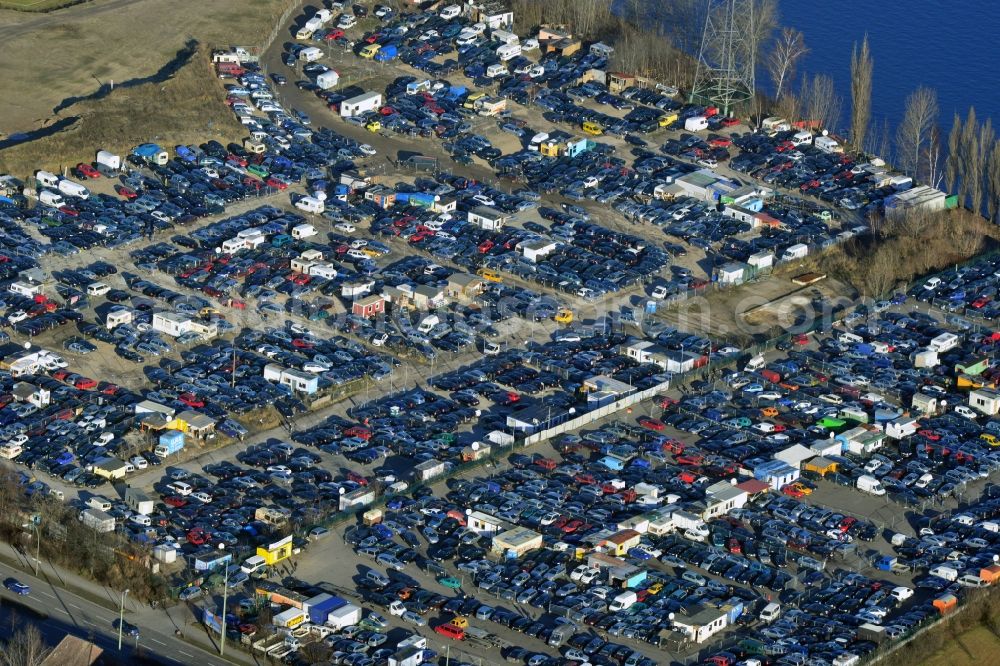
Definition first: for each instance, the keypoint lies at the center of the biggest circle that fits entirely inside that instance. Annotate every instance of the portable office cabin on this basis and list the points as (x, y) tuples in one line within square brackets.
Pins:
[(361, 104)]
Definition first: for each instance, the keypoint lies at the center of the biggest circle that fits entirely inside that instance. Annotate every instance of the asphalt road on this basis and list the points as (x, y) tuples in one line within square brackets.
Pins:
[(62, 612)]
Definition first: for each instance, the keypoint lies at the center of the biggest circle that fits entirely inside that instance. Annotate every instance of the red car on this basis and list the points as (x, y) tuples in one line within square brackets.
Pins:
[(69, 210), (450, 631), (191, 400), (792, 491), (175, 501), (277, 184), (126, 192), (357, 478), (665, 402), (572, 526), (730, 122), (652, 424), (87, 170), (85, 383), (299, 343)]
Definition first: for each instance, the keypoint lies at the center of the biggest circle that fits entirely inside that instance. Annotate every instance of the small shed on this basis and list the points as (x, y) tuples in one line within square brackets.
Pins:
[(369, 306), (820, 465), (429, 469), (986, 401), (514, 543), (537, 249)]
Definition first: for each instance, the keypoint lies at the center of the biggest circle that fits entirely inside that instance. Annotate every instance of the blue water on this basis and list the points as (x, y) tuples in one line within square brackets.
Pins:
[(946, 45)]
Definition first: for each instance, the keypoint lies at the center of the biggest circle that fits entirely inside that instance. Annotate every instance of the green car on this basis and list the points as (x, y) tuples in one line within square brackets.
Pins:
[(450, 582)]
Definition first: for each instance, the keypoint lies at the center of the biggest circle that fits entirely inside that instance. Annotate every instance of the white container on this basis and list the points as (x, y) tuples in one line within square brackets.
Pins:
[(110, 160)]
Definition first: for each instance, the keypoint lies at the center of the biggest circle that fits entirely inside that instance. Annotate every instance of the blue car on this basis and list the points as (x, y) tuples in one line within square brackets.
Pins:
[(17, 587)]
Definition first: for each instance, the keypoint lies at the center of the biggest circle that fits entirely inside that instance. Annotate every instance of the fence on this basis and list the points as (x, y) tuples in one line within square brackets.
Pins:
[(595, 415)]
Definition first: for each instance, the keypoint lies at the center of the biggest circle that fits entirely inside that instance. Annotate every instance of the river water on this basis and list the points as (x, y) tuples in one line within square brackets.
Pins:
[(948, 46)]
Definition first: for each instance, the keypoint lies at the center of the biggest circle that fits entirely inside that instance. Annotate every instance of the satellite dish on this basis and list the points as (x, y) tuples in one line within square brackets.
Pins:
[(218, 250), (27, 345), (670, 616), (475, 446), (340, 490), (826, 132)]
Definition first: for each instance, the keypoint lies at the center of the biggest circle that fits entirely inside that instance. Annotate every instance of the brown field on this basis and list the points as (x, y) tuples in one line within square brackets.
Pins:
[(107, 41), (970, 648), (37, 5)]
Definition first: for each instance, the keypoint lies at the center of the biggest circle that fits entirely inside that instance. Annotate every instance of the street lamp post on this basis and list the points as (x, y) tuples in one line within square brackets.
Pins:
[(121, 619), (225, 600)]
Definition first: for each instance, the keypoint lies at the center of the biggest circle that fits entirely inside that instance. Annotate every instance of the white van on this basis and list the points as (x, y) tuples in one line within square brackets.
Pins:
[(97, 289), (50, 198), (46, 179), (428, 323), (450, 12), (310, 205), (140, 519), (770, 613), (754, 364), (252, 564), (850, 338), (180, 488)]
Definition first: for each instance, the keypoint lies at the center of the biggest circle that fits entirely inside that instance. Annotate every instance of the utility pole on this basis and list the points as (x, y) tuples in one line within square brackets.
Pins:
[(121, 619)]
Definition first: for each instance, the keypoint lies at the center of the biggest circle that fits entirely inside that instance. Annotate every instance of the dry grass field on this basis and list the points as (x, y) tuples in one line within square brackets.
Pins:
[(62, 64)]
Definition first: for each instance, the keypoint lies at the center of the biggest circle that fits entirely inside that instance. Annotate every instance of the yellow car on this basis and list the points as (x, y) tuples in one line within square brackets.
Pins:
[(489, 275), (805, 490), (563, 316), (460, 621), (373, 126), (990, 439), (655, 588)]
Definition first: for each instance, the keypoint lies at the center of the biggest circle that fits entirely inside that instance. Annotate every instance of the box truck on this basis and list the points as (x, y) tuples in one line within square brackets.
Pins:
[(869, 484), (170, 443), (108, 160), (342, 617)]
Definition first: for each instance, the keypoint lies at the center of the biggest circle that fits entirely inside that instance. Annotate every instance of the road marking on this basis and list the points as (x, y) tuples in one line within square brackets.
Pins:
[(72, 605), (186, 654), (50, 596), (157, 642)]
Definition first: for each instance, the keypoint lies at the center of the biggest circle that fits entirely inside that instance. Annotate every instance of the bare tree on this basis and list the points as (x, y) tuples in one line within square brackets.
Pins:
[(932, 161), (985, 138), (861, 92), (993, 182), (783, 57), (968, 148), (820, 100), (765, 20), (24, 648), (913, 135), (952, 166)]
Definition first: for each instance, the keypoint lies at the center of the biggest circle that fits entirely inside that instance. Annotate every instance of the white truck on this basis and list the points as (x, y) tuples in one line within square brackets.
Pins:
[(344, 616), (869, 484)]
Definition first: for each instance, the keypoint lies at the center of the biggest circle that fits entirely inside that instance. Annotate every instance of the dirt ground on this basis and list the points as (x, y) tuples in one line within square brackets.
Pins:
[(52, 59)]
